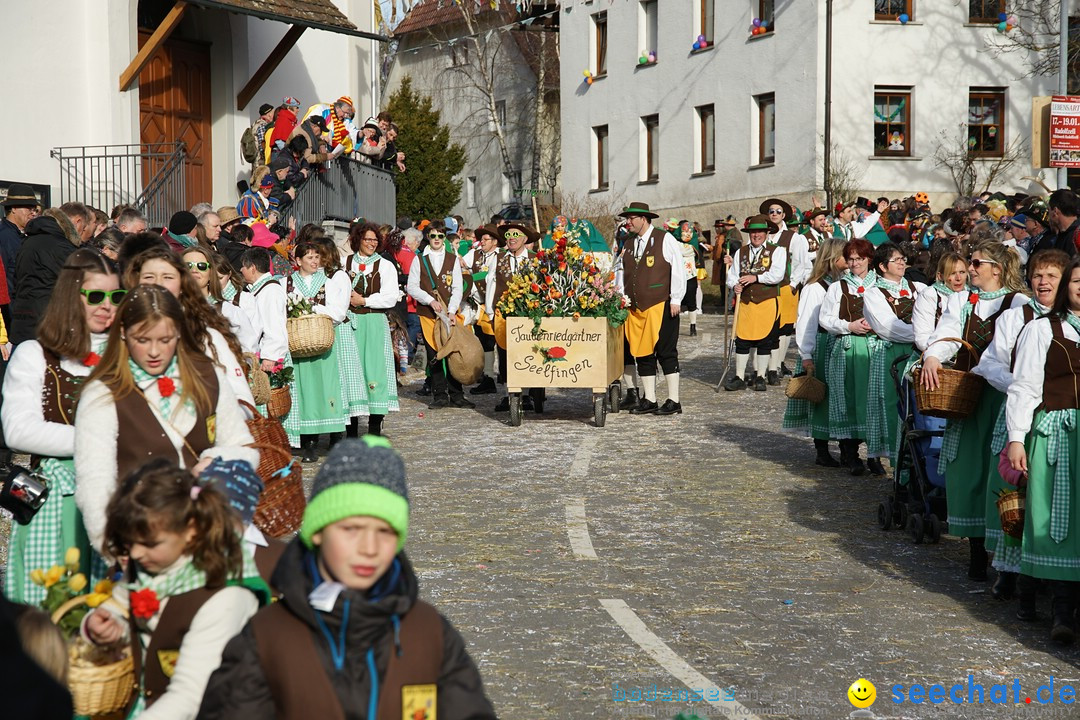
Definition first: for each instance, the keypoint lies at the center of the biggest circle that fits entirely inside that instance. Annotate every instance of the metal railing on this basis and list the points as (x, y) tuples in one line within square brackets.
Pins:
[(150, 176), (347, 189)]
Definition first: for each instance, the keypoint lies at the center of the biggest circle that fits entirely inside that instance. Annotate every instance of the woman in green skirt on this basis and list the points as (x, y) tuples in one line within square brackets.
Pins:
[(888, 309), (994, 274), (814, 344), (848, 371), (316, 392), (1044, 442), (374, 291), (40, 393)]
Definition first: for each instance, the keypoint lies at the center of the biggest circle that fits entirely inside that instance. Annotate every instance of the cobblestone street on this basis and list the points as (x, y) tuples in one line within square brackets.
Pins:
[(557, 547)]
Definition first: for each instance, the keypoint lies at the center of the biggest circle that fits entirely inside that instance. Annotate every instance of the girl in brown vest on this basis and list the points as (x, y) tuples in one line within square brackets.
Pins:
[(190, 586), (154, 395), (40, 393)]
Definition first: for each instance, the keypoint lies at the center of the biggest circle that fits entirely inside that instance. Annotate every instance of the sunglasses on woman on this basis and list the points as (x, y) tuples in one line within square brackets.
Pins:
[(979, 263), (96, 297), (200, 266), (436, 235)]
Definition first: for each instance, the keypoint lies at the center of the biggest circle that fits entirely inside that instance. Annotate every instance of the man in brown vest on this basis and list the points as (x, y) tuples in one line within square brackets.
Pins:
[(650, 273), (349, 636)]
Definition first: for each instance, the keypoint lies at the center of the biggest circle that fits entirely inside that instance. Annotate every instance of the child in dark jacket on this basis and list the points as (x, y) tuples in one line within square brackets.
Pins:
[(349, 640)]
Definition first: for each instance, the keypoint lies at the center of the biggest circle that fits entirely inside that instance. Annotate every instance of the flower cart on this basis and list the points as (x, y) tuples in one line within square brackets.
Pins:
[(585, 352), (564, 320)]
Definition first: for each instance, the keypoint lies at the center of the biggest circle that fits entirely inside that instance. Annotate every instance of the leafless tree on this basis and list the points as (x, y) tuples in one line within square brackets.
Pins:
[(971, 173), (845, 175), (1036, 37)]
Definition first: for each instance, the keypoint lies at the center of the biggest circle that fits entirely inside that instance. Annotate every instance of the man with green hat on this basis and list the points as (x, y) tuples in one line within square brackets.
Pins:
[(349, 601), (650, 273)]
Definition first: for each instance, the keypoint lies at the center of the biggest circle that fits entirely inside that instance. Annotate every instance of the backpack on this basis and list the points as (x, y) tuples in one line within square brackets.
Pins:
[(249, 148)]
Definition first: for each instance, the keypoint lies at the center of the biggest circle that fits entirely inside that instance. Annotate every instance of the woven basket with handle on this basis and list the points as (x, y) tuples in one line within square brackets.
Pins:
[(958, 392), (98, 689), (806, 387), (258, 381), (310, 335), (281, 505), (280, 402)]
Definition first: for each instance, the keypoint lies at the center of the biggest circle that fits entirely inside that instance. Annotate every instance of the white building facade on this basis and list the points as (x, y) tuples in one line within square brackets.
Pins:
[(64, 60), (707, 132)]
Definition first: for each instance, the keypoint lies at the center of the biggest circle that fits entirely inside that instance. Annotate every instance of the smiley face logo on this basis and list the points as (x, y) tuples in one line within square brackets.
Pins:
[(862, 693)]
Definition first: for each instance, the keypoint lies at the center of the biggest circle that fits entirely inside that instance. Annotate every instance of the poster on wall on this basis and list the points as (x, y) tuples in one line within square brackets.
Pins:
[(1065, 131)]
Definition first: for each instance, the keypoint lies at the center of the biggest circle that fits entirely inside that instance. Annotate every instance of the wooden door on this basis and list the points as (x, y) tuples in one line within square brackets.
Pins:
[(174, 104)]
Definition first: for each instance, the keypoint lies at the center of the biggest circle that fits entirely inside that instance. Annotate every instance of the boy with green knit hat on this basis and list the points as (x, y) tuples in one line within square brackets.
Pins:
[(349, 638)]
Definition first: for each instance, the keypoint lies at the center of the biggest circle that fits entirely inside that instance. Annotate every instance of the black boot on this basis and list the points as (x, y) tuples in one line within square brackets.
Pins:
[(630, 399), (503, 405), (1027, 592), (849, 457), (1063, 631), (426, 388), (785, 371), (335, 438), (772, 377), (486, 387), (1004, 586), (693, 330), (354, 428), (309, 444), (824, 457), (374, 424), (875, 467), (977, 559)]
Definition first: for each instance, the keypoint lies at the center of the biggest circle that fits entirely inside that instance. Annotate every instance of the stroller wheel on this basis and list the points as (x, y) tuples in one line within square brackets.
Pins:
[(915, 527), (934, 529), (885, 514)]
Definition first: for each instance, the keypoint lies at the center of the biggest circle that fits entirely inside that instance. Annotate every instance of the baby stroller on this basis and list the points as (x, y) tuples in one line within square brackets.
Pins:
[(917, 500)]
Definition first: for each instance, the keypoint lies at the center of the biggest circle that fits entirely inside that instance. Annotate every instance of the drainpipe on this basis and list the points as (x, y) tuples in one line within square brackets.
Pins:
[(1063, 74), (829, 203)]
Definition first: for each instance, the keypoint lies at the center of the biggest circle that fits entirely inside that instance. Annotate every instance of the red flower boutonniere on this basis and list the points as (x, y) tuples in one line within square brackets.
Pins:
[(91, 360), (904, 293), (363, 267), (166, 386), (861, 290), (144, 603), (973, 298)]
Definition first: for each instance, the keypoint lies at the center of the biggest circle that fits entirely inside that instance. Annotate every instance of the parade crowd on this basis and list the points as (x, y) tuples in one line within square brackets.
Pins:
[(131, 359)]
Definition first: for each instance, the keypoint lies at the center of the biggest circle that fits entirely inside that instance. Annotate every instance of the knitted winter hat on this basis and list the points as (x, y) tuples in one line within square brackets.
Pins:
[(236, 480), (182, 223), (359, 477)]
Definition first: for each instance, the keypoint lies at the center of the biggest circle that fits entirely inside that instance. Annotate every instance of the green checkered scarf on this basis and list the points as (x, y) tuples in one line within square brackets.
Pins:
[(361, 264), (309, 286), (229, 292), (143, 380), (967, 308), (944, 289), (894, 287), (837, 371), (257, 285)]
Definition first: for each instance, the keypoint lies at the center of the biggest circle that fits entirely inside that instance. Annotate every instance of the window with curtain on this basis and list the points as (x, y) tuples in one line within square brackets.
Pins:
[(651, 126), (892, 121), (600, 133), (707, 130), (892, 9), (986, 122)]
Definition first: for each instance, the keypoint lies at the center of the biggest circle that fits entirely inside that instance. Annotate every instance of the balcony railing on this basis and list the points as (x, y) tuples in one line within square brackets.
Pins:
[(347, 189), (149, 176)]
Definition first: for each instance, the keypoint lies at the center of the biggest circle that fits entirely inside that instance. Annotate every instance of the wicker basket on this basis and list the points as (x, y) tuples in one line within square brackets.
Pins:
[(310, 335), (1011, 510), (101, 689), (806, 387), (280, 402), (957, 394), (258, 381), (281, 506)]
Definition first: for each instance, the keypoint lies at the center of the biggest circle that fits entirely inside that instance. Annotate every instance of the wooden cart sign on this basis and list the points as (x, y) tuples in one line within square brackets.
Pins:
[(567, 353)]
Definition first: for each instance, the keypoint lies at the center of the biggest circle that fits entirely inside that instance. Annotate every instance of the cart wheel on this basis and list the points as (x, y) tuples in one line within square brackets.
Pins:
[(599, 408), (903, 515), (885, 514), (515, 409), (538, 404), (614, 397), (934, 529), (916, 528)]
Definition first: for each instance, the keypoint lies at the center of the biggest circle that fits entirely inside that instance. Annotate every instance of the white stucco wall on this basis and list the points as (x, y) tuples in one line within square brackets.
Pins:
[(937, 54), (63, 61)]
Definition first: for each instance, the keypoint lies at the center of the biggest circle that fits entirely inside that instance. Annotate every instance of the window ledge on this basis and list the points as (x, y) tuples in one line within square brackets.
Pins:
[(762, 166), (703, 173), (905, 158), (598, 190), (985, 25), (895, 22), (705, 49), (639, 66), (753, 38), (599, 77), (649, 182)]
